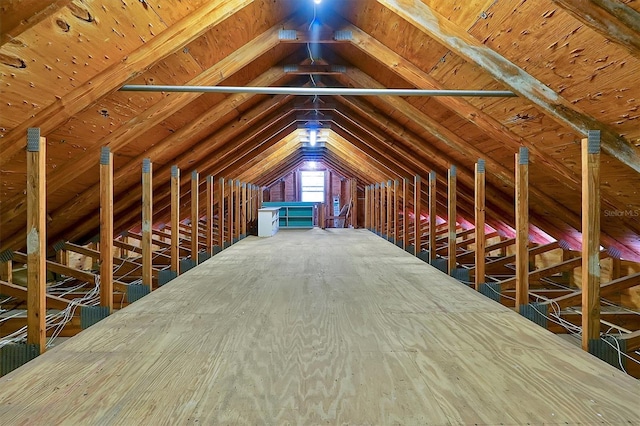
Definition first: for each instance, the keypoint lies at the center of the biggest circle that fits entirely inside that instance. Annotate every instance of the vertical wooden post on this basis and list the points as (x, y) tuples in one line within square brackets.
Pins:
[(590, 238), (6, 271), (433, 182), (175, 219), (106, 228), (382, 215), (417, 208), (396, 211), (354, 206), (479, 223), (36, 239), (62, 257), (366, 206), (220, 197), (379, 208), (230, 212), (147, 222), (244, 211), (376, 208), (372, 207), (195, 215), (250, 202), (522, 228), (389, 228), (209, 197), (452, 214), (405, 213), (238, 211), (616, 268)]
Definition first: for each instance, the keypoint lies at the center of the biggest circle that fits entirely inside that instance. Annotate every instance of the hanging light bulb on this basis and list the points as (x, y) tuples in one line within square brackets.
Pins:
[(313, 136), (317, 1)]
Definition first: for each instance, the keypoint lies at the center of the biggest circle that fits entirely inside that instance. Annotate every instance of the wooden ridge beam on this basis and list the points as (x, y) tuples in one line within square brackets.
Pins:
[(515, 78), (303, 37)]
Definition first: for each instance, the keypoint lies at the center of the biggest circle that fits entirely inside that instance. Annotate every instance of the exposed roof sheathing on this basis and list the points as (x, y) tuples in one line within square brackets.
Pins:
[(62, 63)]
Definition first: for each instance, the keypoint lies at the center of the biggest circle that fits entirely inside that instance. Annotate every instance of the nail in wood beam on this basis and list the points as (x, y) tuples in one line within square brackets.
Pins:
[(195, 215), (433, 182), (175, 219), (36, 239), (522, 228), (479, 224), (417, 207), (405, 213), (396, 211), (209, 230), (590, 238), (452, 213), (106, 228), (147, 223)]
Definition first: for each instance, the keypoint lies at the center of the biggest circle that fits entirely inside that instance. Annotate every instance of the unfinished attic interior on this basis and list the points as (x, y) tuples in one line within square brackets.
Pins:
[(305, 211)]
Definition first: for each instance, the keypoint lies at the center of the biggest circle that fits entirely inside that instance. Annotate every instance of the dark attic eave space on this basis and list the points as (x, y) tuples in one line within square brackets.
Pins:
[(569, 75)]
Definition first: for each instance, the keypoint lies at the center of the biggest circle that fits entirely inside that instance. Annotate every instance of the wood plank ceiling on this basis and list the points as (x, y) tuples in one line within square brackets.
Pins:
[(62, 64)]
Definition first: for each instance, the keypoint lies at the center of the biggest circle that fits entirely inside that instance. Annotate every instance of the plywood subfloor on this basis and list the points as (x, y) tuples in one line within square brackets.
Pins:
[(335, 326)]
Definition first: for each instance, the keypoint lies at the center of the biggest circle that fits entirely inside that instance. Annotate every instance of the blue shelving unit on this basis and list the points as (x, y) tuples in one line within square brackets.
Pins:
[(298, 214)]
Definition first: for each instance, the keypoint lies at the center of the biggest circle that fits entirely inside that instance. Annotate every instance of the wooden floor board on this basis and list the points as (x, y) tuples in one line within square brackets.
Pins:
[(313, 326)]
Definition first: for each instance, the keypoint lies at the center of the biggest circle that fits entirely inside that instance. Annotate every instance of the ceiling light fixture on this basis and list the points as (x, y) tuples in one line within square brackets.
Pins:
[(313, 137)]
